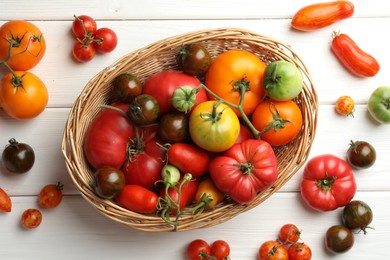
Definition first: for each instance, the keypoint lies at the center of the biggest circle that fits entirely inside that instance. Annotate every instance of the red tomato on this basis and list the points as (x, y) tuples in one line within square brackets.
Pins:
[(220, 249), (198, 249), (328, 183), (145, 159), (107, 138), (162, 85), (299, 251), (105, 40), (319, 15), (272, 250), (245, 134), (289, 233), (244, 170), (5, 201), (138, 199), (31, 218), (83, 25), (189, 158), (50, 195), (353, 58), (83, 52)]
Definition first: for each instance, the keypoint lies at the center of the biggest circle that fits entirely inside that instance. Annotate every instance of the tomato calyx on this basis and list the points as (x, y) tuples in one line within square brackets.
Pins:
[(241, 84), (246, 168), (277, 123), (214, 116), (326, 183)]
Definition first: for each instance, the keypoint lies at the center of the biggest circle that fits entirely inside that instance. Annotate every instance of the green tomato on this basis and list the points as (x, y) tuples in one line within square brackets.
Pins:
[(379, 105), (282, 80)]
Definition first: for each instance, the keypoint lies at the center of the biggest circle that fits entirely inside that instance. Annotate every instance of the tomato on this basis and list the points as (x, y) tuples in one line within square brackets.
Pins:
[(236, 71), (5, 201), (108, 181), (18, 157), (357, 215), (104, 40), (194, 59), (245, 134), (278, 121), (125, 87), (339, 239), (170, 175), (22, 45), (83, 52), (361, 154), (50, 195), (31, 218), (24, 96), (189, 158), (145, 159), (220, 250), (272, 250), (161, 86), (319, 15), (209, 194), (138, 199), (345, 106), (328, 183), (282, 80), (244, 170), (198, 249), (289, 233), (299, 251), (107, 137), (214, 126), (352, 57), (379, 105), (143, 110), (83, 25), (173, 127)]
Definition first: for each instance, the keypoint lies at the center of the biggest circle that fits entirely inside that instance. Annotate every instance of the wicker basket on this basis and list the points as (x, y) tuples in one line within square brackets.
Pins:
[(161, 55)]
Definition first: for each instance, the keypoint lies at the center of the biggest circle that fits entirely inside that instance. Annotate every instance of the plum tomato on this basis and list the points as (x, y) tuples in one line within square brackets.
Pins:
[(83, 25), (18, 157), (105, 40), (198, 249), (173, 127), (5, 201), (361, 154), (194, 59), (83, 52), (50, 195), (125, 87), (143, 110), (109, 181), (220, 250), (379, 105), (31, 218), (138, 199), (272, 250), (357, 215), (345, 106), (289, 233), (299, 251), (339, 239)]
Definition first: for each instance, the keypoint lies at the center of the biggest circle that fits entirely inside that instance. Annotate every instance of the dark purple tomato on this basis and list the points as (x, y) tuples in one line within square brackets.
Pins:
[(193, 59), (143, 110), (173, 127), (339, 239), (18, 157), (361, 154), (126, 87), (357, 215), (109, 181)]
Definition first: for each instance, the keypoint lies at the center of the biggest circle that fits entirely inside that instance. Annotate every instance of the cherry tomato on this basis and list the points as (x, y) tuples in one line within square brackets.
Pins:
[(83, 25), (104, 40), (194, 59), (357, 215), (125, 87), (31, 218), (173, 127), (299, 251), (109, 181), (18, 157), (220, 250), (345, 106), (83, 52), (5, 201), (289, 233), (272, 250), (352, 57), (198, 249), (143, 110), (138, 199), (361, 154), (24, 96), (339, 239), (50, 195), (209, 194)]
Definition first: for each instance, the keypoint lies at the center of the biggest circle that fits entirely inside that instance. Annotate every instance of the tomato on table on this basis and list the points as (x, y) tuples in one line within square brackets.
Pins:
[(104, 40), (345, 106), (31, 218), (339, 239), (50, 195), (83, 26), (83, 51), (361, 154), (198, 249), (299, 251), (220, 250), (5, 201), (272, 250), (289, 233), (18, 157), (357, 215), (379, 104)]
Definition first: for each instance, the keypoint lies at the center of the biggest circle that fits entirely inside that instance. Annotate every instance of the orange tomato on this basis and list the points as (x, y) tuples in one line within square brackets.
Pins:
[(232, 70), (25, 99), (345, 106), (209, 194), (280, 121), (5, 201), (22, 44)]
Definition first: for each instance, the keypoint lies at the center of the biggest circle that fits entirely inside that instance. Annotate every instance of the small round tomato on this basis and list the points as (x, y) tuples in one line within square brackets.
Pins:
[(109, 181), (5, 201), (278, 121), (105, 40), (143, 110), (209, 194), (23, 95), (18, 157), (83, 52), (357, 215), (31, 218), (299, 251), (220, 250), (194, 59), (272, 250), (137, 199), (339, 239), (50, 195), (345, 106), (289, 233), (83, 25), (173, 127), (125, 87), (198, 249), (379, 105), (361, 154)]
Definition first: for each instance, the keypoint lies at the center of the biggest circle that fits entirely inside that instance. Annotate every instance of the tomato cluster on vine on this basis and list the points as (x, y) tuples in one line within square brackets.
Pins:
[(199, 249)]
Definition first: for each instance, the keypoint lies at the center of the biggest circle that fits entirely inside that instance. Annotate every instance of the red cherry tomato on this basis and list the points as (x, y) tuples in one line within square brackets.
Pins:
[(83, 52), (50, 195), (220, 250), (105, 40), (289, 233), (83, 25), (299, 251), (198, 249), (272, 250), (31, 218)]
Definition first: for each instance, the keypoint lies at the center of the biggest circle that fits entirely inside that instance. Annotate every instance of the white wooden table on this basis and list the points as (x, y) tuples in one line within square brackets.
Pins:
[(75, 230)]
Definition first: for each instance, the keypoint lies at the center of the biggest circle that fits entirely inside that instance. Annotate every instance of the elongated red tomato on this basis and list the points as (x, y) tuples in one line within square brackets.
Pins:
[(357, 61), (319, 15), (138, 199)]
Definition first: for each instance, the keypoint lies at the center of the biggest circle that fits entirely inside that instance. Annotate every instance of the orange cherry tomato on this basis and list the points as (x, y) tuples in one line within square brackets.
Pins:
[(353, 58), (24, 42), (209, 194), (233, 70), (25, 97), (345, 106), (5, 201), (319, 15)]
